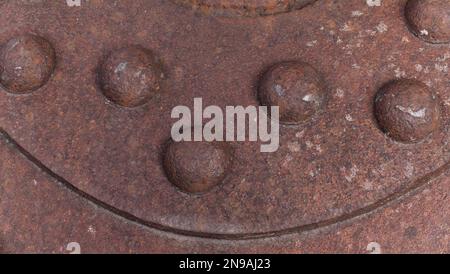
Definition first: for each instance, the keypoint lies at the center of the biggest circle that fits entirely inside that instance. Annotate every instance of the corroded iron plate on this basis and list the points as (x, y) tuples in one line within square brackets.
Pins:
[(78, 145)]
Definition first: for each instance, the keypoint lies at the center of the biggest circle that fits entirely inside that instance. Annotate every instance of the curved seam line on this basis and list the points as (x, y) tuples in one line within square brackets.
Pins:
[(402, 193)]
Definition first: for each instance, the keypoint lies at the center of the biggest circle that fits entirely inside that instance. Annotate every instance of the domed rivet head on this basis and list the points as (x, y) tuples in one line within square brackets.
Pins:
[(429, 19), (296, 87), (407, 110), (130, 77), (26, 63), (197, 167)]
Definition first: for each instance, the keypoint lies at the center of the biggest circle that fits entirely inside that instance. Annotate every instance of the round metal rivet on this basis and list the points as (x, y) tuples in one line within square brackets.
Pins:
[(197, 167), (130, 76), (407, 110), (26, 63), (296, 87)]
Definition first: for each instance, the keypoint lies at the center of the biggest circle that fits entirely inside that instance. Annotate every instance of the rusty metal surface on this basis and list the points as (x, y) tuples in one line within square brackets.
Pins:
[(86, 152), (245, 8)]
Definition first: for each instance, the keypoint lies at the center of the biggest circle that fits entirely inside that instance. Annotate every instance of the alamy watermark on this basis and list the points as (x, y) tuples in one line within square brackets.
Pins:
[(73, 3), (237, 123)]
